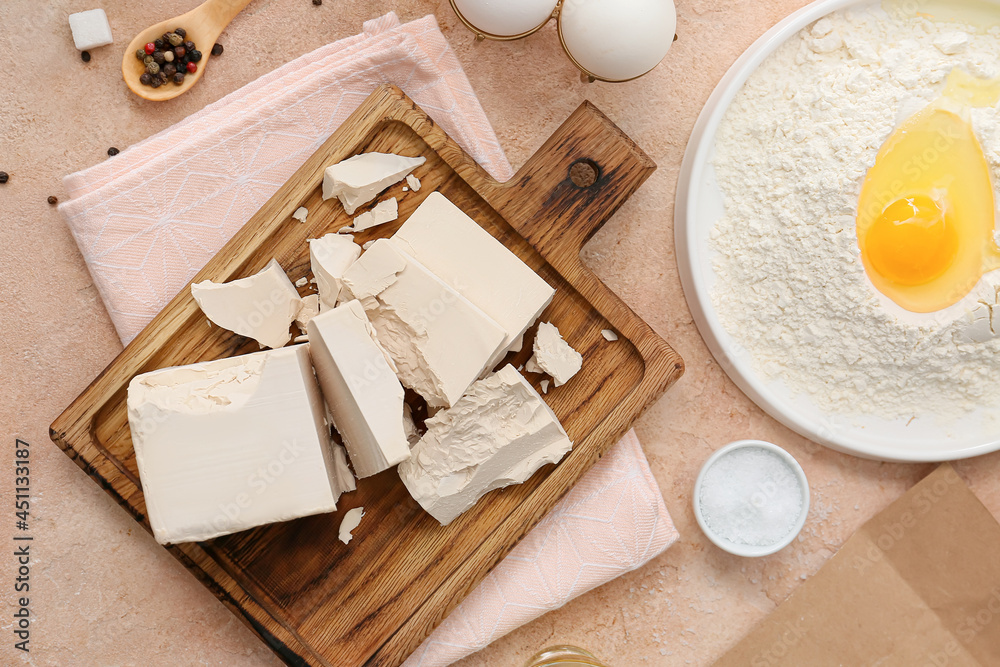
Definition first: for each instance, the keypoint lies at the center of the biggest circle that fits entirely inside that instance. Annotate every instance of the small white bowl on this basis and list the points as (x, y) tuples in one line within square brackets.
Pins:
[(735, 548)]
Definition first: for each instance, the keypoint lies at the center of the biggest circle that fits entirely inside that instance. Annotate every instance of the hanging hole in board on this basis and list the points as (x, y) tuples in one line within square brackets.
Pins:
[(584, 173)]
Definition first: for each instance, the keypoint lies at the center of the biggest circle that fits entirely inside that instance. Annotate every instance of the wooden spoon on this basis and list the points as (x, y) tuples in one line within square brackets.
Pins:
[(203, 25)]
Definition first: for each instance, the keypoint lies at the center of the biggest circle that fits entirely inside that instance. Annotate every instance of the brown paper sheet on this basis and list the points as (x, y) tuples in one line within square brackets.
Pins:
[(916, 586)]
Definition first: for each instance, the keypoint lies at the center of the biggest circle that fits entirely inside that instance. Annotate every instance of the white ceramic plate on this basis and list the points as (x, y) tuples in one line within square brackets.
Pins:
[(700, 205)]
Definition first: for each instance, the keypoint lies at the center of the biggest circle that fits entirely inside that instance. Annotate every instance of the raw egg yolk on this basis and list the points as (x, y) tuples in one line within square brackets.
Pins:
[(912, 242), (926, 212)]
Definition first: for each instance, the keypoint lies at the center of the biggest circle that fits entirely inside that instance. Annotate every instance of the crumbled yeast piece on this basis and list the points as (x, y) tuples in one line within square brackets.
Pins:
[(553, 355), (385, 211), (350, 522), (330, 257), (261, 306), (357, 180), (496, 435), (360, 388)]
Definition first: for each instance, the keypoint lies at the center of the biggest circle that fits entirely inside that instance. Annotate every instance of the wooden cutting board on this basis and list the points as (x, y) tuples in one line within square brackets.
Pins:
[(314, 600)]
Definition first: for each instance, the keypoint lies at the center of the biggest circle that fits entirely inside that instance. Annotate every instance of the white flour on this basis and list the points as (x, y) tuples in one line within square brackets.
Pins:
[(792, 153)]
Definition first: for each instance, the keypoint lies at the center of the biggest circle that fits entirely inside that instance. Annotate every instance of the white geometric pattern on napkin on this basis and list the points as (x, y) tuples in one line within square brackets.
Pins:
[(151, 217)]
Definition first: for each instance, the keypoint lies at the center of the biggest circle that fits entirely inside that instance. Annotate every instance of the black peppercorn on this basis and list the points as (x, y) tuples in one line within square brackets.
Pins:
[(171, 57), (113, 151), (85, 56), (52, 200), (317, 2), (217, 50), (4, 177)]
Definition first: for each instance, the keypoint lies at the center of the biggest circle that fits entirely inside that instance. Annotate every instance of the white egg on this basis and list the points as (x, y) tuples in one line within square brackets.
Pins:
[(617, 40), (505, 18)]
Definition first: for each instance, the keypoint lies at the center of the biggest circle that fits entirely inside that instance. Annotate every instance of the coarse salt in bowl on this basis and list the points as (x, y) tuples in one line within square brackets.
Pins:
[(751, 498)]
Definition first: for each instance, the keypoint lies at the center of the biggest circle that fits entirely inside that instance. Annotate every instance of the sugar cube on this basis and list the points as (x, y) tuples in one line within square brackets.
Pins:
[(90, 29)]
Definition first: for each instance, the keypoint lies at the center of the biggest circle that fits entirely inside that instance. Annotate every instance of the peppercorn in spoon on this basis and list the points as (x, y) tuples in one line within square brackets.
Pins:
[(199, 27)]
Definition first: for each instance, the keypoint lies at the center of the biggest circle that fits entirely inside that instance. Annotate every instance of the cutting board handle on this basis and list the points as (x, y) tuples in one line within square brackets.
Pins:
[(568, 189)]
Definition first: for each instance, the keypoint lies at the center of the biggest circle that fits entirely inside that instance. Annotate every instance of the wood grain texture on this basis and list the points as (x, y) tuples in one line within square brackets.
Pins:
[(314, 600)]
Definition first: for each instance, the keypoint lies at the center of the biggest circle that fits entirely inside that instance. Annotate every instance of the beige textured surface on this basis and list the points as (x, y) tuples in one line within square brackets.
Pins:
[(104, 593)]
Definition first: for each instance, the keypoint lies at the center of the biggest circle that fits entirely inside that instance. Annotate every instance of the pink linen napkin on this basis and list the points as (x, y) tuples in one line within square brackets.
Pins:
[(147, 220)]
